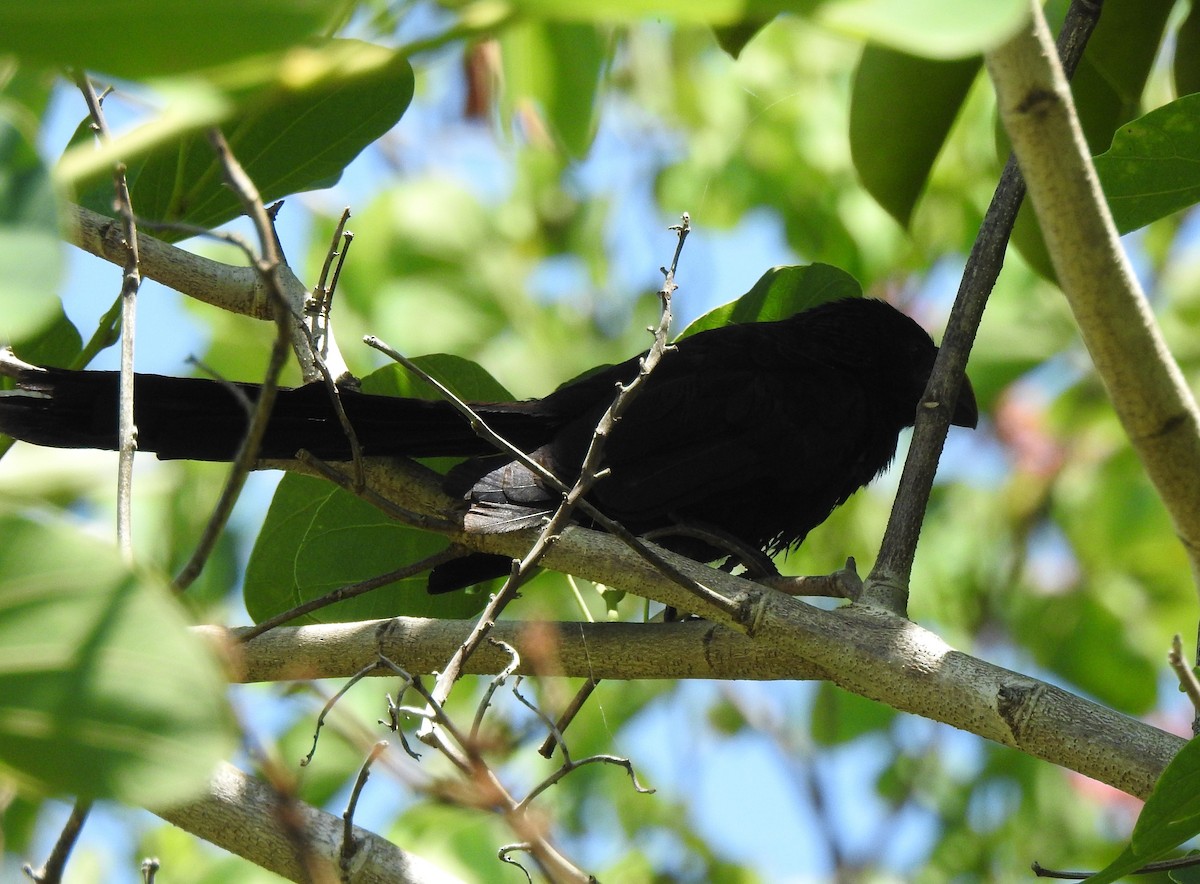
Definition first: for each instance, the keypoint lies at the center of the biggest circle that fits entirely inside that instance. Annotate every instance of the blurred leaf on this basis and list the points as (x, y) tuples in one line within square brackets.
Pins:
[(923, 27), (558, 66), (1187, 54), (928, 28), (901, 111), (1078, 637), (779, 293), (1153, 166), (30, 250), (296, 133), (839, 717), (317, 537), (57, 343), (142, 38), (103, 691)]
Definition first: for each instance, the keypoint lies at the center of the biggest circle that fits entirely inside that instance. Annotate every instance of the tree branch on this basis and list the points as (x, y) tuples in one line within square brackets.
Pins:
[(239, 290), (867, 651), (239, 815)]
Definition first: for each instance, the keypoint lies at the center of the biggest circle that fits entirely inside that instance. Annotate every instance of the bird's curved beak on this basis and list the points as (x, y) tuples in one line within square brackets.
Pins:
[(966, 412)]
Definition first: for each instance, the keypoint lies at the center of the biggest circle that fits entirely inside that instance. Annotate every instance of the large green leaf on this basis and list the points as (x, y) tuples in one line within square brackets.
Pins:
[(901, 110), (1187, 54), (1153, 166), (779, 293), (141, 38), (317, 537), (103, 691), (297, 132)]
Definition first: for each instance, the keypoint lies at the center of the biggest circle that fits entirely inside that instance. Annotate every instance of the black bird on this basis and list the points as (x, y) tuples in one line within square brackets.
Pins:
[(756, 430)]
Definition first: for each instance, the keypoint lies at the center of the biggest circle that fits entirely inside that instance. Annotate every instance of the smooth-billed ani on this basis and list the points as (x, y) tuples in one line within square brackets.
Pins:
[(757, 430)]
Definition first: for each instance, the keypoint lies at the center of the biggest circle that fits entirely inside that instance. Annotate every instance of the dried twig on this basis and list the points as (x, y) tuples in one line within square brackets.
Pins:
[(51, 871), (268, 266), (131, 281)]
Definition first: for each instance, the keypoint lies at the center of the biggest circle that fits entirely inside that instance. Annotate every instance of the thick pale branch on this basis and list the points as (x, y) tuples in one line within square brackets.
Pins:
[(241, 814), (236, 289), (1148, 391), (687, 649), (866, 651)]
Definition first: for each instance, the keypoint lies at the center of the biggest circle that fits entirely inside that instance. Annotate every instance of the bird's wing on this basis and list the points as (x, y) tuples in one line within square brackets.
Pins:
[(774, 442)]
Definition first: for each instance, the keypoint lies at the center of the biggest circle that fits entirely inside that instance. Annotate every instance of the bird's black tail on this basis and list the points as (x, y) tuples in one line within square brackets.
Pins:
[(198, 419)]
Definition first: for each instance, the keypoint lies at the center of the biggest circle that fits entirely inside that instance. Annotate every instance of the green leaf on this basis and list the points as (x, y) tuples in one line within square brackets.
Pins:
[(1171, 816), (782, 292), (1187, 54), (1153, 166), (317, 537), (558, 66), (924, 27), (1107, 89), (57, 343), (141, 38), (296, 133), (30, 250), (103, 691), (901, 110)]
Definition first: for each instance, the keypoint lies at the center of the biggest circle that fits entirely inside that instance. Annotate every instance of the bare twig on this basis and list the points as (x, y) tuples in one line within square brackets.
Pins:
[(1166, 865), (51, 871), (555, 737), (1187, 678), (131, 281), (352, 590), (494, 684), (150, 867), (330, 703), (351, 844), (268, 266)]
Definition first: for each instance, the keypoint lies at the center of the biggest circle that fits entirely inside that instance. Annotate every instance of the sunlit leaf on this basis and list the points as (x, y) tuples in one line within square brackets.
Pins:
[(297, 132), (782, 292), (141, 38), (30, 250), (557, 65)]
